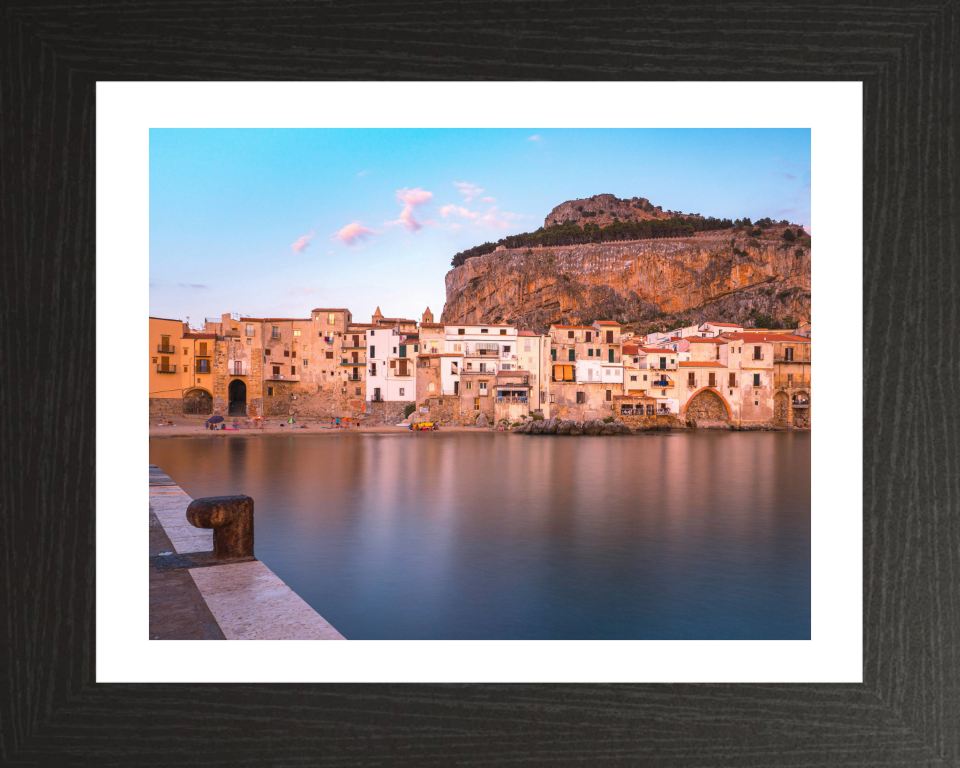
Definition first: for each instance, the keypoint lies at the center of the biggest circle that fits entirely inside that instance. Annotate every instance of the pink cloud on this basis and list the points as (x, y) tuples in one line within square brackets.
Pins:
[(353, 232), (301, 245), (410, 199), (535, 137), (297, 290), (488, 199), (468, 190), (448, 210), (497, 219)]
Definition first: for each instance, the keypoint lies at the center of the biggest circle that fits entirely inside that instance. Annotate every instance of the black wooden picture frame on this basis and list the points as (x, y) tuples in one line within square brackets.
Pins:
[(907, 711)]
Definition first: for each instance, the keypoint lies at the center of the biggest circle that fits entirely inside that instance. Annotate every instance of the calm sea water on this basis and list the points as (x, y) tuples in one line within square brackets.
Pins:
[(488, 536)]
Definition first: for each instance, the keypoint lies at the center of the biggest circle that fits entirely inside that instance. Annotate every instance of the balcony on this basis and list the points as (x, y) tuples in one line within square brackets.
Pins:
[(782, 382), (512, 399), (348, 361), (781, 358), (661, 383), (166, 349), (234, 368), (161, 368), (354, 378), (283, 377), (347, 348)]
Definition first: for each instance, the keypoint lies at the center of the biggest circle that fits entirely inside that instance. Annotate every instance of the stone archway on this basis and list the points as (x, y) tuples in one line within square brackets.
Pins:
[(781, 409), (237, 393), (800, 405), (707, 405), (198, 401)]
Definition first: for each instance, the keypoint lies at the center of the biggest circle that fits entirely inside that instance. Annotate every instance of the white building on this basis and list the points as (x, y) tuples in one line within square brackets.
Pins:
[(390, 366)]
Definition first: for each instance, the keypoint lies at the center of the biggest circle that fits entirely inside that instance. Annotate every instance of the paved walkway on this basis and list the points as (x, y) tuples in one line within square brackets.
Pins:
[(237, 601)]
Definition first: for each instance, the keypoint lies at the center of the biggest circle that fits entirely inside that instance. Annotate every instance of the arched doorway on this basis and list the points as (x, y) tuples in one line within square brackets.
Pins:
[(707, 405), (781, 409), (800, 403), (238, 398), (198, 401)]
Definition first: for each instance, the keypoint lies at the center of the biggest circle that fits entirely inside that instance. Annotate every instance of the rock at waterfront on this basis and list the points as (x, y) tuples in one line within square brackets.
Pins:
[(576, 428), (483, 421), (563, 428), (550, 427), (593, 427)]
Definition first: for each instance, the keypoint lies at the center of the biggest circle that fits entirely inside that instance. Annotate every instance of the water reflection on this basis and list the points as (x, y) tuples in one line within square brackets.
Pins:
[(482, 536)]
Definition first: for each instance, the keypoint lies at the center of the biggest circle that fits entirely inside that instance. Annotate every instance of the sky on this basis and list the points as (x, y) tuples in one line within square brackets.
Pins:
[(267, 222)]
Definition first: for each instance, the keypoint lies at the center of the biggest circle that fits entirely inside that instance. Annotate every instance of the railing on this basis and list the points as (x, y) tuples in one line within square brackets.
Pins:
[(161, 368), (402, 374), (782, 382), (166, 349), (202, 353), (661, 383), (283, 377), (202, 368), (361, 360), (512, 399), (781, 358), (574, 380), (691, 383), (517, 379), (354, 378), (234, 368), (377, 399), (361, 346)]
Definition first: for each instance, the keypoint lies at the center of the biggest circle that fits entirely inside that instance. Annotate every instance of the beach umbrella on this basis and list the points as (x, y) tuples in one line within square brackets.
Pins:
[(215, 419)]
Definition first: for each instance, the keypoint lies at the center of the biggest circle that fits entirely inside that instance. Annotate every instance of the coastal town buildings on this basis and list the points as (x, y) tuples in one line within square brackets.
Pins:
[(327, 365)]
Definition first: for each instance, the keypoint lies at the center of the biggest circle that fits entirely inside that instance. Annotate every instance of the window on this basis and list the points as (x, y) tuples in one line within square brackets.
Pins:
[(503, 331), (483, 367), (296, 334), (358, 390), (329, 355), (644, 377), (286, 353), (569, 334), (789, 379), (468, 385), (153, 359), (609, 395), (276, 370), (306, 363), (461, 331), (552, 398), (248, 341), (526, 345), (571, 355), (203, 366), (610, 355), (293, 370), (483, 388), (505, 367), (718, 352), (430, 386), (373, 351), (476, 403), (757, 354), (373, 369), (691, 379), (276, 332), (484, 330), (788, 354), (394, 350), (249, 329), (580, 398), (553, 355), (756, 379), (589, 337), (401, 391), (331, 319), (506, 348), (713, 379), (589, 353), (733, 380), (393, 364), (186, 351), (294, 353), (633, 378), (269, 391), (165, 341), (609, 337)]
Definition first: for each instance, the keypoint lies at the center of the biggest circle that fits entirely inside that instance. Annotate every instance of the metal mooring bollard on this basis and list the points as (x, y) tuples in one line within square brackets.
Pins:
[(231, 518)]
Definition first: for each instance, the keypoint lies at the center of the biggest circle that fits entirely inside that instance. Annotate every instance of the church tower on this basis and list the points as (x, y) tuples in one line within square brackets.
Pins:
[(427, 316), (377, 316)]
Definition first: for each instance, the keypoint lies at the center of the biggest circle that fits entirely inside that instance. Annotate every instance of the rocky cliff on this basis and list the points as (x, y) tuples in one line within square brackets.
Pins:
[(604, 209), (713, 276)]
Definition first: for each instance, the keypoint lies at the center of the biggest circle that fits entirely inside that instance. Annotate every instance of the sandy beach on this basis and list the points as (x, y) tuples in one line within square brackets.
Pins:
[(185, 427)]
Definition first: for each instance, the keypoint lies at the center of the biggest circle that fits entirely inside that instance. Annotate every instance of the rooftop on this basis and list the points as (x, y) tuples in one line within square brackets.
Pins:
[(701, 364), (725, 325), (770, 338)]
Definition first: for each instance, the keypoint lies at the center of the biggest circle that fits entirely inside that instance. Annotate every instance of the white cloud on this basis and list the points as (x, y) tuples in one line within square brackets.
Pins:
[(363, 173), (535, 137), (468, 190), (449, 210), (488, 199)]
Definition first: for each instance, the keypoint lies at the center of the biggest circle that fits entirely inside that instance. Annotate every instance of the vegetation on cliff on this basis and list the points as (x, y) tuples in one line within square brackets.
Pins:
[(570, 233)]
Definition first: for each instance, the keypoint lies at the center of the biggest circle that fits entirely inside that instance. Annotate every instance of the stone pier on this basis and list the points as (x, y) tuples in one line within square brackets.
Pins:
[(194, 596)]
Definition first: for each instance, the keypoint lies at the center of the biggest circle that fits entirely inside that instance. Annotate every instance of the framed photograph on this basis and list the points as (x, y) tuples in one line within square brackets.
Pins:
[(505, 387)]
